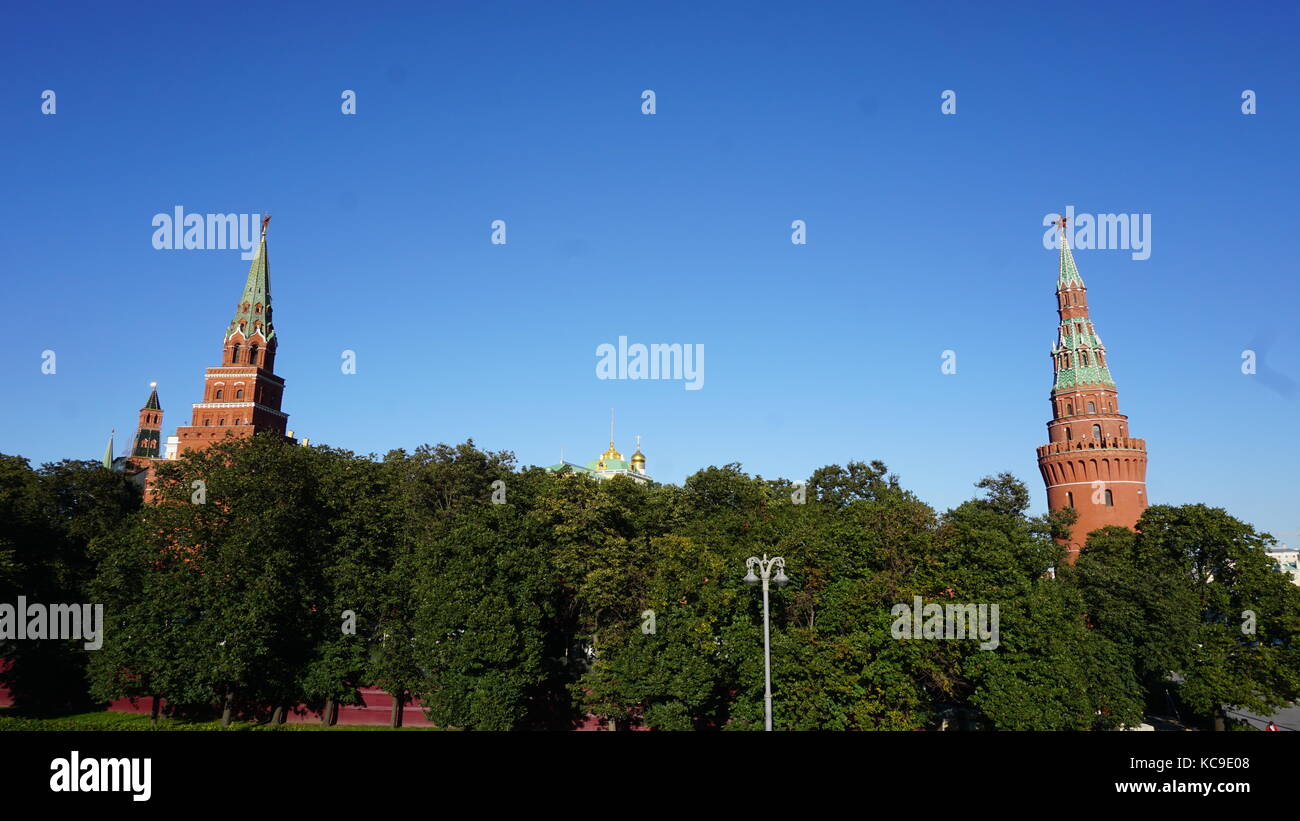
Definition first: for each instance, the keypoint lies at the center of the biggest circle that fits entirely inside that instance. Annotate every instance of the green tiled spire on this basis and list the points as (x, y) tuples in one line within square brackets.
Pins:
[(1069, 274), (1078, 356), (153, 404), (254, 308)]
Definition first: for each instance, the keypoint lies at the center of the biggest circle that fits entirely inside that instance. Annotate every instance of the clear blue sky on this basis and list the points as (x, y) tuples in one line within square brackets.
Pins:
[(924, 230)]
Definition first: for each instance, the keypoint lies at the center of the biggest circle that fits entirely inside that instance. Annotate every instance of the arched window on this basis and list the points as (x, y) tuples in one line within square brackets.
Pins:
[(1110, 499), (252, 354), (206, 422), (1092, 407), (218, 396), (1096, 432), (1069, 408), (1068, 436), (239, 393), (234, 354), (1069, 499), (222, 423)]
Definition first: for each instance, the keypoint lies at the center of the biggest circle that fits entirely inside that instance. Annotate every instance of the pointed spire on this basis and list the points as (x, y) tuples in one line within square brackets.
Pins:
[(153, 403), (108, 451), (612, 453), (254, 309), (1078, 356), (1069, 272)]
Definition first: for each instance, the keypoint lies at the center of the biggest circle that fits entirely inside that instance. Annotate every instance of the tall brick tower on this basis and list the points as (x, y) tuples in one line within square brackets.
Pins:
[(148, 434), (242, 395), (1090, 462)]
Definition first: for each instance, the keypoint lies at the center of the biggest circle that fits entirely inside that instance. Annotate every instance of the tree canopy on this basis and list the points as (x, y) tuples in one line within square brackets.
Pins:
[(507, 598)]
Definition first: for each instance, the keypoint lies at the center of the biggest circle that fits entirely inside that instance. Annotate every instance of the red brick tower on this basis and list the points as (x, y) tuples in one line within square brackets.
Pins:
[(242, 395), (148, 434), (1090, 462)]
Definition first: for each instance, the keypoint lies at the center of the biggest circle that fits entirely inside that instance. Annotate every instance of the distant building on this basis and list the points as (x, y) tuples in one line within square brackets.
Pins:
[(1287, 561), (609, 464)]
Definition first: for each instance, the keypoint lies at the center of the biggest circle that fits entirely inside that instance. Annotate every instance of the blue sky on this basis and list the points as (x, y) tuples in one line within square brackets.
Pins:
[(924, 230)]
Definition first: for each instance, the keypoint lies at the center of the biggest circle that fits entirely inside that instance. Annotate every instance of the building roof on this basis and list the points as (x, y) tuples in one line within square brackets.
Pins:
[(254, 309), (1077, 334)]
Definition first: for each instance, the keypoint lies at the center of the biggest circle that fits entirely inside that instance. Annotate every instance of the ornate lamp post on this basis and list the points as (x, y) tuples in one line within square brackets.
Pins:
[(765, 566)]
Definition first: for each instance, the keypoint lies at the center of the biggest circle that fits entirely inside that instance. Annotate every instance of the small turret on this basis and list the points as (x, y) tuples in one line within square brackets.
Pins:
[(148, 434), (638, 458)]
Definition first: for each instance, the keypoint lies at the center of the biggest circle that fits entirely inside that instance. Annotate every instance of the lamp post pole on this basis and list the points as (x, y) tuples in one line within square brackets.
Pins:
[(765, 566)]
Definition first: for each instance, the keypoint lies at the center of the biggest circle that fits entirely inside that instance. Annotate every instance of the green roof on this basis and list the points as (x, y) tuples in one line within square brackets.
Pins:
[(1075, 337), (255, 303), (556, 468), (152, 404), (1069, 272)]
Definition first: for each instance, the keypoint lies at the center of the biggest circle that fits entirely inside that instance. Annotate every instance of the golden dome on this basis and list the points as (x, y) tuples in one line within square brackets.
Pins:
[(638, 458), (611, 454)]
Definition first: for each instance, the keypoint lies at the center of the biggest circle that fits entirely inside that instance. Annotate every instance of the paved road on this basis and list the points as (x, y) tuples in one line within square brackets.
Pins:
[(1287, 718)]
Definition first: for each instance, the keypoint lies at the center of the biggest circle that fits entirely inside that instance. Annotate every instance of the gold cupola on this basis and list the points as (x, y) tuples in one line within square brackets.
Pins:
[(638, 458), (611, 454)]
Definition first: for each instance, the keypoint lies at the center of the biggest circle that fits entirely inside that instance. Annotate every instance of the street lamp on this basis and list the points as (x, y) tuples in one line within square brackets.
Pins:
[(765, 566)]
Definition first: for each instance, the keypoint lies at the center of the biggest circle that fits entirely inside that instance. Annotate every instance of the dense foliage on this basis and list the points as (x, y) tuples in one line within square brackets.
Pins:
[(302, 574)]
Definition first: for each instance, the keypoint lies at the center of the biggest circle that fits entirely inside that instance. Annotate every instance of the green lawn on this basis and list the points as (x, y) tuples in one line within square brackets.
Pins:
[(12, 719)]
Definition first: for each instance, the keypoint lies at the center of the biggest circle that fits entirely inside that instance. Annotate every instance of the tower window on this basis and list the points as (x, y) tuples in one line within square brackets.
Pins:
[(218, 393), (239, 393), (1068, 435), (1096, 432), (1069, 408), (1092, 407), (252, 355), (222, 422), (1110, 499), (234, 354), (1069, 499)]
